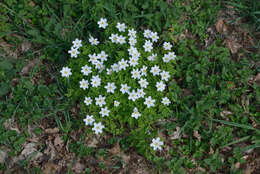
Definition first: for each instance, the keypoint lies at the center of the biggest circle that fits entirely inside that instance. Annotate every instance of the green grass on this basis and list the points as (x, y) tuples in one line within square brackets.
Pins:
[(207, 82)]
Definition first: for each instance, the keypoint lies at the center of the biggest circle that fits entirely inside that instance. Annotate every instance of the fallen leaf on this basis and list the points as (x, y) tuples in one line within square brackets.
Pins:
[(3, 156), (232, 45), (257, 79), (58, 141), (197, 135), (222, 27), (52, 130), (176, 134), (78, 167), (26, 70)]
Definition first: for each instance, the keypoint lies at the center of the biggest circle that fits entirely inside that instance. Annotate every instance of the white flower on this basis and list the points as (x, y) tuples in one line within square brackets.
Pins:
[(110, 87), (109, 71), (165, 101), (135, 113), (149, 102), (115, 67), (116, 103), (98, 128), (83, 84), (124, 88), (172, 55), (89, 120), (93, 58), (140, 93), (113, 38), (95, 81), (156, 144), (132, 41), (160, 86), (99, 65), (100, 100), (88, 101), (165, 75), (132, 50), (73, 52), (148, 46), (104, 112), (167, 46), (121, 27), (121, 39), (132, 33), (66, 72), (143, 83), (144, 70), (154, 36), (93, 41), (86, 70), (122, 64), (132, 95), (133, 61), (102, 23), (166, 58), (136, 74), (152, 57), (103, 56), (77, 43), (155, 70), (147, 33)]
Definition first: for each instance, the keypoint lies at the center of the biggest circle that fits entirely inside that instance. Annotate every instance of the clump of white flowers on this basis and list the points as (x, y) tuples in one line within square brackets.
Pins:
[(129, 84)]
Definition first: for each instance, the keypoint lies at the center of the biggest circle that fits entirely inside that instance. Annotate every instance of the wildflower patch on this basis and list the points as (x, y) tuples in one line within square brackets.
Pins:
[(121, 78)]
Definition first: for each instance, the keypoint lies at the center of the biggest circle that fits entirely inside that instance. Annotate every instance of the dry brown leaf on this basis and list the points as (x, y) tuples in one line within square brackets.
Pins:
[(26, 70), (58, 141), (93, 142), (50, 168), (257, 79), (176, 134), (232, 45), (225, 113), (78, 167), (3, 156), (52, 130), (222, 27), (116, 150), (197, 135)]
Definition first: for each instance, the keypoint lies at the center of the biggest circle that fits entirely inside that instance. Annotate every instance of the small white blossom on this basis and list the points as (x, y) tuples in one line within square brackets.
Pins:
[(66, 72), (165, 75), (165, 101), (73, 52), (95, 81), (135, 113), (116, 103), (100, 100), (132, 95), (77, 43), (172, 55), (121, 39), (93, 41), (124, 88), (148, 46), (103, 56), (99, 65), (167, 46), (121, 27), (93, 58), (136, 74), (89, 120), (147, 33), (154, 36), (166, 58), (132, 41), (143, 83), (98, 128), (83, 84), (115, 67), (132, 33), (88, 101), (152, 57), (110, 87), (109, 71), (149, 102), (122, 64), (156, 144), (144, 70), (102, 23), (113, 38), (86, 70), (140, 93), (155, 70), (160, 86), (133, 61), (104, 112)]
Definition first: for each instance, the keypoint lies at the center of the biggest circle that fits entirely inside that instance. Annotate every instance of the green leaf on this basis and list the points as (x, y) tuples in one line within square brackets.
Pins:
[(6, 65)]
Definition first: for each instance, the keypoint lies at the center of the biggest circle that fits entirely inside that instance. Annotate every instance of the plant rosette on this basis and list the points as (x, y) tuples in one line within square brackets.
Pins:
[(121, 78)]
